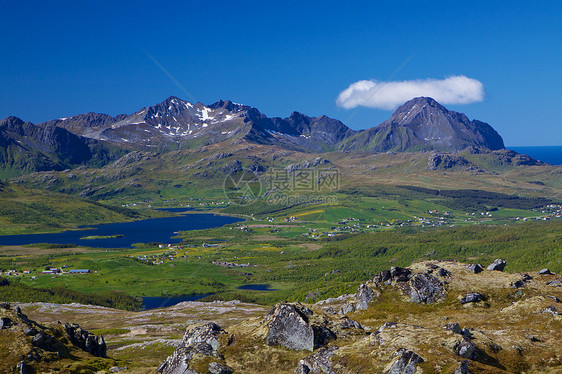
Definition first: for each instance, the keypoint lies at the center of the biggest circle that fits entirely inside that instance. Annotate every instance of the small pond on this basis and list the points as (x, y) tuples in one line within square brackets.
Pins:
[(257, 287), (163, 302)]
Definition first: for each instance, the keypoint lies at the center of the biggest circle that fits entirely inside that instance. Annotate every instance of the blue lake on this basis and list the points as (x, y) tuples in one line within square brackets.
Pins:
[(163, 302), (159, 230), (256, 287)]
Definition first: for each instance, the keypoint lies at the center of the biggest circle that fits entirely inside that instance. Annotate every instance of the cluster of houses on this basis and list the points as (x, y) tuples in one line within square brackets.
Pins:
[(48, 271)]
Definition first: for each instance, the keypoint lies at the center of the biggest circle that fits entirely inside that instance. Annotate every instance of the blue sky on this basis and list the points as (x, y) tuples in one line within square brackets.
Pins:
[(61, 58)]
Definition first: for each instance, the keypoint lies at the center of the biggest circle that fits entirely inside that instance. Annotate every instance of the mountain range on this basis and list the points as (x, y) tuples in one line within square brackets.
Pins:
[(421, 124)]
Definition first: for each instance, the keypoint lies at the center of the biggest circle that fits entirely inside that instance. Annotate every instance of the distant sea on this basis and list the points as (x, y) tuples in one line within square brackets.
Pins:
[(550, 154)]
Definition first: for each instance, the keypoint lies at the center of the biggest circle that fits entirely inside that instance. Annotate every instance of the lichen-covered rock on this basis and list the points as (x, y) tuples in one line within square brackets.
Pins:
[(317, 363), (551, 309), (475, 268), (555, 283), (216, 368), (364, 296), (382, 277), (464, 347), (86, 340), (22, 368), (200, 341), (406, 362), (425, 288), (5, 323), (44, 341), (207, 333), (348, 323), (400, 274), (472, 297), (117, 369), (454, 327), (497, 265), (288, 326), (463, 368)]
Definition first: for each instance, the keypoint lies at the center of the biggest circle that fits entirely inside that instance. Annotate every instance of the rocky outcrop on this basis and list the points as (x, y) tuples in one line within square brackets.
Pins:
[(216, 368), (463, 368), (317, 363), (447, 161), (555, 283), (308, 164), (197, 344), (406, 362), (475, 268), (5, 323), (521, 282), (289, 325), (22, 368), (497, 265), (464, 347), (86, 340), (364, 296), (545, 271), (425, 288), (472, 297)]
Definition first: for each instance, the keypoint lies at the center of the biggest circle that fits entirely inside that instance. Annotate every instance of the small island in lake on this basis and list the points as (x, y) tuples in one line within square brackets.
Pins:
[(95, 237)]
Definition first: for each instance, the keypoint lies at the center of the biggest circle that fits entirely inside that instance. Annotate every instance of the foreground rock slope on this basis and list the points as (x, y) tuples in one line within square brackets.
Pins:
[(432, 317), (407, 320)]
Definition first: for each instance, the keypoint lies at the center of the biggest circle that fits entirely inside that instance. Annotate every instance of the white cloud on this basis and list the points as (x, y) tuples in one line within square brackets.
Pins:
[(387, 95)]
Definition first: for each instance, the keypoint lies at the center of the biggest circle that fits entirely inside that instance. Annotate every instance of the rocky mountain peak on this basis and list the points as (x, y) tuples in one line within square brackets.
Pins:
[(11, 122), (228, 105), (422, 124), (425, 108)]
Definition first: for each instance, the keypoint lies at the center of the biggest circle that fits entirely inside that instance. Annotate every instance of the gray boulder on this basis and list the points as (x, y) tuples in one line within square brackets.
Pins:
[(463, 368), (317, 363), (30, 330), (22, 368), (400, 274), (5, 323), (200, 341), (551, 309), (117, 369), (472, 297), (406, 362), (364, 296), (545, 271), (207, 333), (555, 283), (348, 323), (216, 368), (475, 268), (348, 308), (382, 277), (454, 327), (288, 326), (425, 288), (464, 348), (497, 265), (86, 340)]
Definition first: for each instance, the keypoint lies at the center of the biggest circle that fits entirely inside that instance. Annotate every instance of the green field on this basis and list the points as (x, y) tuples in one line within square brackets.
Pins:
[(290, 263)]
